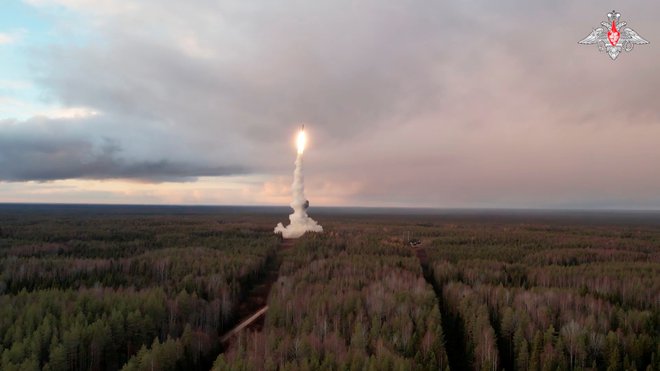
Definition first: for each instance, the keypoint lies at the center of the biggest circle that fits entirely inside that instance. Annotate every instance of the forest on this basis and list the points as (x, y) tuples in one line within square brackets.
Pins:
[(507, 295), (155, 290), (108, 292), (346, 303)]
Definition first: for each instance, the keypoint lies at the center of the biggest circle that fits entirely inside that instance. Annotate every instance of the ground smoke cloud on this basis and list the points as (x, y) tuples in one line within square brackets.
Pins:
[(300, 221)]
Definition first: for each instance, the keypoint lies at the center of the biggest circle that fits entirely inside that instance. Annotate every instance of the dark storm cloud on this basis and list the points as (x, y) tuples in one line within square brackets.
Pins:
[(37, 150)]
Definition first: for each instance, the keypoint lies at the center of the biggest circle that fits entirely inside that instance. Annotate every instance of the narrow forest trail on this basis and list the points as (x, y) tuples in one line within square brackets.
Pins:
[(452, 327), (252, 310)]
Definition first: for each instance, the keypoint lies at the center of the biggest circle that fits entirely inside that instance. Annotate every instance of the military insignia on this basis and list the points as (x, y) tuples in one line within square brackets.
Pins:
[(613, 36)]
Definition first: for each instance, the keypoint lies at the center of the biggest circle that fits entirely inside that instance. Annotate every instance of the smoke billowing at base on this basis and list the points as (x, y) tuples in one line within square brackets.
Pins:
[(300, 222)]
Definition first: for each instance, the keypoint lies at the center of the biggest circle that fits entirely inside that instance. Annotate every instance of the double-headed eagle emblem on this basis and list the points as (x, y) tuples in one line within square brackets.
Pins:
[(614, 36)]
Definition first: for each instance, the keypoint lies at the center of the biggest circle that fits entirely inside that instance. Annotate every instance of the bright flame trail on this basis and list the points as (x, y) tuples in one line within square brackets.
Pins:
[(300, 221)]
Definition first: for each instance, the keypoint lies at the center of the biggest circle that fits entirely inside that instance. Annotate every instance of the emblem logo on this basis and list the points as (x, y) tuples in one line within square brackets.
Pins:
[(613, 36)]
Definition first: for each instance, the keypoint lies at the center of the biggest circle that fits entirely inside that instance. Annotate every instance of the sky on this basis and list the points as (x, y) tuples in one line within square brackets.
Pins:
[(464, 104)]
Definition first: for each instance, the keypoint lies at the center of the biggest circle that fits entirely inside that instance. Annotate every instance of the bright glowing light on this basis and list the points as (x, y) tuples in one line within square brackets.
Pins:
[(301, 141)]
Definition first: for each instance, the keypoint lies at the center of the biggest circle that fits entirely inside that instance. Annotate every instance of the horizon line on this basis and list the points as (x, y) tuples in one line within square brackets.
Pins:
[(425, 208)]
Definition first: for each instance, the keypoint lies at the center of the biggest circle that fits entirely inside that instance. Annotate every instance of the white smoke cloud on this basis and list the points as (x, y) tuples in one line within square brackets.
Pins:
[(300, 222)]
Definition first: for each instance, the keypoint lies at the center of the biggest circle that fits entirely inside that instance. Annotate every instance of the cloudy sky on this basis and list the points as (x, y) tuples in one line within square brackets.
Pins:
[(473, 103)]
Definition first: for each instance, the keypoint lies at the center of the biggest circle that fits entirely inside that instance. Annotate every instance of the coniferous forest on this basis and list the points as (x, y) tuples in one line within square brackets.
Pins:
[(139, 288)]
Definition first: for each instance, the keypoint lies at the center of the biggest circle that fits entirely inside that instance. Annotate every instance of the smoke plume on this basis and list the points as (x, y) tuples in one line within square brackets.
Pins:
[(300, 222)]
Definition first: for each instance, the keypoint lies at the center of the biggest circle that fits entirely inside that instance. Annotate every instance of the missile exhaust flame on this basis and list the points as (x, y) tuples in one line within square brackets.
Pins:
[(302, 139)]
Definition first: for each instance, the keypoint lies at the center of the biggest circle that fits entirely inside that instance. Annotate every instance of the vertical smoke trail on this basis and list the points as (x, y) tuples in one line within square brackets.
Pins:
[(300, 222)]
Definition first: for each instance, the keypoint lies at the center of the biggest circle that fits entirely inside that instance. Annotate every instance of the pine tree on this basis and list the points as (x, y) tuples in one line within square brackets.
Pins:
[(614, 356), (537, 350), (522, 359)]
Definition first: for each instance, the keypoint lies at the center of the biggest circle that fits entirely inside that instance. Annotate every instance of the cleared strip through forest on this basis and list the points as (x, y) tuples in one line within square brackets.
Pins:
[(253, 308), (452, 327)]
